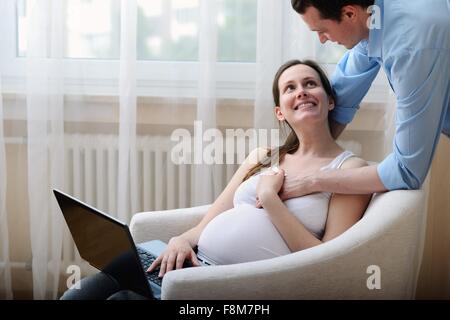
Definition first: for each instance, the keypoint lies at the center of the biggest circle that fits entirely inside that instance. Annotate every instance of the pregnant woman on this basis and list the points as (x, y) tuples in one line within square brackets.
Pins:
[(249, 221)]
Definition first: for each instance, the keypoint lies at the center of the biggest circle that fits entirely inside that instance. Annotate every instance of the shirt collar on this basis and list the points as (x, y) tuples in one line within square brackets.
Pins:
[(375, 35)]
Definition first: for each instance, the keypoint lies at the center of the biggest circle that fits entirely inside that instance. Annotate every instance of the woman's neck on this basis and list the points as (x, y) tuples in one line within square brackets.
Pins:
[(317, 142)]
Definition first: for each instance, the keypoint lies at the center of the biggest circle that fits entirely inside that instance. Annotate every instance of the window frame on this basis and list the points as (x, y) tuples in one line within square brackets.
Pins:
[(153, 78)]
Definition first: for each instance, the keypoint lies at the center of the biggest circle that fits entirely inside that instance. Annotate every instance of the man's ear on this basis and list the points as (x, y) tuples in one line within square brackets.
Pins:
[(279, 114), (349, 12)]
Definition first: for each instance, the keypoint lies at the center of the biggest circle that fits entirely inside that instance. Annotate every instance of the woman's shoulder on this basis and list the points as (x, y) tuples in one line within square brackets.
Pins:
[(257, 155), (353, 162)]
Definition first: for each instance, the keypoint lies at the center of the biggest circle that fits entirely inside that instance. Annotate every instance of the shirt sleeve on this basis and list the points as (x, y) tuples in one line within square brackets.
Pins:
[(351, 80), (421, 83)]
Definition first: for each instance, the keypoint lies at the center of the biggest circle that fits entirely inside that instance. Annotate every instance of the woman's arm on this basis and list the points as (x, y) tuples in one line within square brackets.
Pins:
[(294, 233), (359, 180), (344, 211), (180, 248)]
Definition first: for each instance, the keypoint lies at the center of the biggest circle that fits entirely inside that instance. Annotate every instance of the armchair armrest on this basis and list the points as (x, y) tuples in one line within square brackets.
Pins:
[(163, 225), (389, 236)]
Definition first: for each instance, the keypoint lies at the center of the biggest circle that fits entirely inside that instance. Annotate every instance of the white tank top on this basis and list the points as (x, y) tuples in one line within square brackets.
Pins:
[(245, 233)]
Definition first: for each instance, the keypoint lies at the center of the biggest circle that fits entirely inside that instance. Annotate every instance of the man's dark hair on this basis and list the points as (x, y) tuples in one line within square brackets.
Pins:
[(328, 9)]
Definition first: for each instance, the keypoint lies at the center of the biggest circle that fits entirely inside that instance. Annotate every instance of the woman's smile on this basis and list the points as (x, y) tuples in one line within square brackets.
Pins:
[(305, 105)]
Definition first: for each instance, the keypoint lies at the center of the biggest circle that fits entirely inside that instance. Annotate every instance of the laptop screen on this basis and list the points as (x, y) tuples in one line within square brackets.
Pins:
[(104, 242), (99, 240)]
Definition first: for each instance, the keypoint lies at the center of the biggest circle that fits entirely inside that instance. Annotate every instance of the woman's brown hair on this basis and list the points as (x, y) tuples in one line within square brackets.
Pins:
[(292, 143)]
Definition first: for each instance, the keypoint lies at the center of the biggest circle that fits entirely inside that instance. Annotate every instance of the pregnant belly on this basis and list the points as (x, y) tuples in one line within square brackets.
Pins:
[(241, 234)]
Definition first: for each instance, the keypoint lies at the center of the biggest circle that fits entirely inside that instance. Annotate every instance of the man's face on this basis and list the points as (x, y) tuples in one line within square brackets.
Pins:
[(346, 33)]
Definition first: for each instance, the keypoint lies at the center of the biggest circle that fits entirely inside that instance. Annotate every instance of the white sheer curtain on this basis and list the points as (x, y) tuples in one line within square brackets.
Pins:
[(5, 268), (127, 193), (203, 181), (268, 57), (53, 112), (44, 96), (45, 119)]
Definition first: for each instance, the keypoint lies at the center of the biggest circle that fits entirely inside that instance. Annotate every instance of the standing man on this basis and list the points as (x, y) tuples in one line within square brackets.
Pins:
[(410, 40)]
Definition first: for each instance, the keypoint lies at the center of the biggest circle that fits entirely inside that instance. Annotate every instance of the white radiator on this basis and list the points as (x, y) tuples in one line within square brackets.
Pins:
[(91, 167)]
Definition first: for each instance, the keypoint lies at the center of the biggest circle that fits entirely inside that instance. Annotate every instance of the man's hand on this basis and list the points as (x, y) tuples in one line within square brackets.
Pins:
[(358, 180), (297, 186), (294, 186)]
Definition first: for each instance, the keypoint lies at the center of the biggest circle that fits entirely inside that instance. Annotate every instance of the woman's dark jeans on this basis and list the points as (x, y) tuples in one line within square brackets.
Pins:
[(100, 286)]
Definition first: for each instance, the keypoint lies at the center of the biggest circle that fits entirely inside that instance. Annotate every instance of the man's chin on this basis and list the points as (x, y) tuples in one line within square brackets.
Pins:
[(349, 46)]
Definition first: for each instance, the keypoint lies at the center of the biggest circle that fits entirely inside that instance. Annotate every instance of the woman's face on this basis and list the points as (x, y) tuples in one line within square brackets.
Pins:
[(302, 96)]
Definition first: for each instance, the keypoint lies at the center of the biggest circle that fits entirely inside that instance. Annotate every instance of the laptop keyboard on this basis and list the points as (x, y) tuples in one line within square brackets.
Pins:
[(147, 259)]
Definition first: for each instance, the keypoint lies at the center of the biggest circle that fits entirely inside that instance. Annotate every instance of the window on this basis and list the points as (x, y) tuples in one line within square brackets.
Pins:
[(167, 46), (167, 30), (92, 28), (329, 53)]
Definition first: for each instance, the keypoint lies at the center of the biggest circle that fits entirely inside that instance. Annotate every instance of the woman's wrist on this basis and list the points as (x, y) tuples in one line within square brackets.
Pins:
[(188, 237), (267, 196)]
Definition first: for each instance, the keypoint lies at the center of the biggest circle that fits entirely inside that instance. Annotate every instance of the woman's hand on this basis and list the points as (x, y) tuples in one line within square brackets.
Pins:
[(178, 250), (269, 185)]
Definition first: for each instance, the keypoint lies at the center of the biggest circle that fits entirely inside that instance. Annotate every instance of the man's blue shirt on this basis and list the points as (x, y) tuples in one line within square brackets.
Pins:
[(413, 48)]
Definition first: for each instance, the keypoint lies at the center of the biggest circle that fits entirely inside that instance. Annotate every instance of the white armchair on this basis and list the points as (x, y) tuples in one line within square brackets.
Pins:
[(390, 235)]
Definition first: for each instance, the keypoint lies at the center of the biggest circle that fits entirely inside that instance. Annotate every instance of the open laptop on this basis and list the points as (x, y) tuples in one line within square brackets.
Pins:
[(106, 244)]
